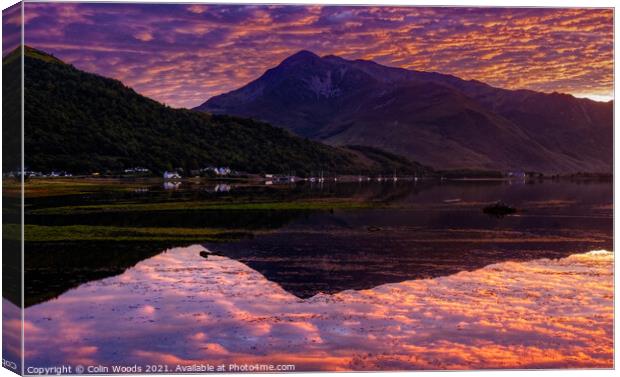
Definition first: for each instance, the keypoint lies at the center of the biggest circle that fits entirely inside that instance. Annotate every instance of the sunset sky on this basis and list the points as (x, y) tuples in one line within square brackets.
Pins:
[(183, 54)]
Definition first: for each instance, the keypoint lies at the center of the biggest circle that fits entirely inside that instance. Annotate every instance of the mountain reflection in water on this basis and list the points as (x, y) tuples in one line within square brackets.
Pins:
[(311, 261), (424, 231), (418, 279), (180, 308)]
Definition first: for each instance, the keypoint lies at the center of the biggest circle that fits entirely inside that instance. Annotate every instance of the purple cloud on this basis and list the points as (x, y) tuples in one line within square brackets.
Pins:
[(183, 54)]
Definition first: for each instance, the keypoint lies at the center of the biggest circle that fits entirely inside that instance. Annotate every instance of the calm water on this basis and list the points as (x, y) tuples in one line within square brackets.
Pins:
[(426, 281)]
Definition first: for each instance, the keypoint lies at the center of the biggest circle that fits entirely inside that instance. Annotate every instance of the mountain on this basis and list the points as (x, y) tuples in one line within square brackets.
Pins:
[(82, 122), (437, 119)]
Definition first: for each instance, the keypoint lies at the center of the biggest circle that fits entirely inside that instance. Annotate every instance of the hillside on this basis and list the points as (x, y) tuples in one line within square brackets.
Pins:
[(437, 119), (85, 123), (11, 112)]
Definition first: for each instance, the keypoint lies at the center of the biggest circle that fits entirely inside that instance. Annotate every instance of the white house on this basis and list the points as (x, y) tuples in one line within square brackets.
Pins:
[(171, 175), (136, 170), (222, 171)]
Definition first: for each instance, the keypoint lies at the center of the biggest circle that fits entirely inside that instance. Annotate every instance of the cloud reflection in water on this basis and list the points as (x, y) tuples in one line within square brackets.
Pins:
[(180, 308)]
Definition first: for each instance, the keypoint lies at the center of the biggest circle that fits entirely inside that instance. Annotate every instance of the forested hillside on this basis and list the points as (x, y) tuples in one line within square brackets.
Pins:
[(83, 123)]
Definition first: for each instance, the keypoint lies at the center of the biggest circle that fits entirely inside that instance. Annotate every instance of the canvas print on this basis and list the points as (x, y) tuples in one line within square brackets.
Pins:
[(288, 188)]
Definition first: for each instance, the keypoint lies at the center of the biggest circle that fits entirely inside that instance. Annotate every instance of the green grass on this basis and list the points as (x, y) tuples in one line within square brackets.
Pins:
[(304, 205), (50, 187), (39, 233)]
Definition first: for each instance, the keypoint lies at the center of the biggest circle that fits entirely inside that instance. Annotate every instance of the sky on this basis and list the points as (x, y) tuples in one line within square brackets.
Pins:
[(182, 54)]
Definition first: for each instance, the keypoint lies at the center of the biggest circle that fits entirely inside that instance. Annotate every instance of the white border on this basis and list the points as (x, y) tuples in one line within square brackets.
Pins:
[(481, 3)]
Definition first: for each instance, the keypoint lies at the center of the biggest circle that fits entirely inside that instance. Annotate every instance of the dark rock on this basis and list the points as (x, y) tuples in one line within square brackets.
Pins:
[(499, 209)]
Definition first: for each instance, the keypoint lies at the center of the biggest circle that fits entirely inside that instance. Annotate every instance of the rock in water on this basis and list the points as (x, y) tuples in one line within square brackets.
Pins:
[(499, 209)]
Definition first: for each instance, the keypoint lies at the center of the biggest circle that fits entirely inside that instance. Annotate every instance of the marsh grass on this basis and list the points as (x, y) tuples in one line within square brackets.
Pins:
[(51, 187), (40, 233), (302, 205), (57, 208)]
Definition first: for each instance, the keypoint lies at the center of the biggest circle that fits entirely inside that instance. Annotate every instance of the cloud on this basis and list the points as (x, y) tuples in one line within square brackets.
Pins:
[(182, 55), (11, 28)]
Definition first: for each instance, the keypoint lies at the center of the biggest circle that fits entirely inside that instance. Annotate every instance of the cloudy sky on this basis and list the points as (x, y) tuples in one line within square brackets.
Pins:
[(184, 54)]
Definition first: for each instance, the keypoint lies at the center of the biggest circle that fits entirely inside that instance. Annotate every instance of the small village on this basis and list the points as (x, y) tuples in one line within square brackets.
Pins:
[(223, 173)]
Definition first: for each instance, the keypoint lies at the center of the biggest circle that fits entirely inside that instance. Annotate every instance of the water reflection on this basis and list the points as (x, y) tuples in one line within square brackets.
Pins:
[(309, 260), (52, 268), (424, 280), (11, 335), (179, 307), (171, 185), (424, 233)]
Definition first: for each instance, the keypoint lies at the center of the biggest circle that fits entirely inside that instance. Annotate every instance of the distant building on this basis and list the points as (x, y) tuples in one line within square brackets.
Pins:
[(221, 171), (136, 170), (171, 175)]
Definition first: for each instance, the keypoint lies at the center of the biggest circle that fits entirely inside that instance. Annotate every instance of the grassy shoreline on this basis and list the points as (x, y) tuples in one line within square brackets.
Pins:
[(41, 233), (303, 205)]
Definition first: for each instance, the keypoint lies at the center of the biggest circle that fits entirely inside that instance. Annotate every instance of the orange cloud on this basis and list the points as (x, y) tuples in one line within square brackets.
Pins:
[(210, 49)]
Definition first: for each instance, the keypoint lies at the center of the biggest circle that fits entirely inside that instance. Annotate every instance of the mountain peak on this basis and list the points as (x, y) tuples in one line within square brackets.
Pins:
[(303, 55), (417, 113)]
